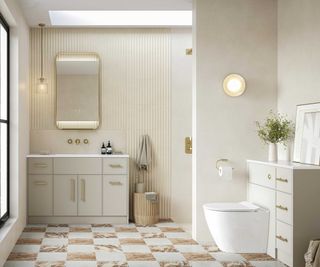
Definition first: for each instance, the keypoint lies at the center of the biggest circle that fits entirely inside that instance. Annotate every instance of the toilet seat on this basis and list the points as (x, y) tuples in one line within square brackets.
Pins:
[(243, 206)]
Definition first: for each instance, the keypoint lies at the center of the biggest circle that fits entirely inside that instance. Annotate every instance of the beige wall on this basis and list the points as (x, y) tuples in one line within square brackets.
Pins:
[(136, 97), (181, 199), (230, 36), (298, 54), (19, 101)]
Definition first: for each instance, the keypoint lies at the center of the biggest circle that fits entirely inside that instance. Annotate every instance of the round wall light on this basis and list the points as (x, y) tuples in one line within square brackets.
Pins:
[(234, 85)]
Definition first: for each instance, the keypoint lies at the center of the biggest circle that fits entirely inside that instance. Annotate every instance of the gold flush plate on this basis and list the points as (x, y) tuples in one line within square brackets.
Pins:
[(188, 145), (189, 51)]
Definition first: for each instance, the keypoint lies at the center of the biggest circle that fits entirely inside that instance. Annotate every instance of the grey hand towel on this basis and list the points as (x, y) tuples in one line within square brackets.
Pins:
[(312, 257), (144, 153)]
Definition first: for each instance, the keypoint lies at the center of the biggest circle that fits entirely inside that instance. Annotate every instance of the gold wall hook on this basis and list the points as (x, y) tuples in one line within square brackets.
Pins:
[(78, 141), (70, 141), (86, 141)]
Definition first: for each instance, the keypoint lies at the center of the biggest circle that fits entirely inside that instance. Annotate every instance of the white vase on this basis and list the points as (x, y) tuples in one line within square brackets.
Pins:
[(273, 152)]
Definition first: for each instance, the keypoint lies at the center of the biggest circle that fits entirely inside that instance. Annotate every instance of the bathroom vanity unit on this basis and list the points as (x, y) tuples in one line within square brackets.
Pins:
[(78, 188), (291, 192)]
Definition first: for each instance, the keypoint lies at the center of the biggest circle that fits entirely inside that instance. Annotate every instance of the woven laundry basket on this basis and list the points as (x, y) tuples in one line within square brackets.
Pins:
[(145, 212)]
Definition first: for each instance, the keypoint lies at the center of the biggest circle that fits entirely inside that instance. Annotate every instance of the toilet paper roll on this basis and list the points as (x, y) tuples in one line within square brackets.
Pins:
[(225, 173)]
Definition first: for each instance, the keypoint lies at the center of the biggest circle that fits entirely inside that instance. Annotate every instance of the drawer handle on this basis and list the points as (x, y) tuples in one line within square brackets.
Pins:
[(40, 183), (115, 166), (115, 183), (83, 190), (281, 207), (73, 190), (40, 165), (282, 180), (269, 176), (282, 238)]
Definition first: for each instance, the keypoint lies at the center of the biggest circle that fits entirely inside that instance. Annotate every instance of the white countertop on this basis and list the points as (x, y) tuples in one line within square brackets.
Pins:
[(77, 156), (287, 164)]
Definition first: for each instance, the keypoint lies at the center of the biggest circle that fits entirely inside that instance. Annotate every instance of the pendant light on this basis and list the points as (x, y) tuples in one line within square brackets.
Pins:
[(42, 86)]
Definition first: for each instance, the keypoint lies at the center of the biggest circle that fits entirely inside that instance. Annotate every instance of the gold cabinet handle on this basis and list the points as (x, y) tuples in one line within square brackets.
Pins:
[(83, 190), (282, 180), (41, 183), (73, 190), (281, 207), (269, 176), (115, 183), (115, 166), (282, 238), (40, 165)]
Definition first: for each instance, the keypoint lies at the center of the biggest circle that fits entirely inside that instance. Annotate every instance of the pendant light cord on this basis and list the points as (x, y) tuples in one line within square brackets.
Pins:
[(41, 49)]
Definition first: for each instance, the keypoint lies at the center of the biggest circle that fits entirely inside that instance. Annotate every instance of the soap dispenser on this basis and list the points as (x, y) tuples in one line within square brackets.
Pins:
[(103, 149), (109, 148)]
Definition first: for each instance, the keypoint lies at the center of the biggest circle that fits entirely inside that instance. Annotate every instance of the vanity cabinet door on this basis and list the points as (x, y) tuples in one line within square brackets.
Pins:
[(89, 195), (65, 195), (40, 195), (115, 195)]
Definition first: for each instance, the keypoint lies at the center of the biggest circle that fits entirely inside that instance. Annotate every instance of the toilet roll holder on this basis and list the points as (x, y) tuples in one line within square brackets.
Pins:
[(218, 165)]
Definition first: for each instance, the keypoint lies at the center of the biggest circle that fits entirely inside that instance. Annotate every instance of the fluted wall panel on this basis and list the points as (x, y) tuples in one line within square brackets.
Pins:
[(136, 91)]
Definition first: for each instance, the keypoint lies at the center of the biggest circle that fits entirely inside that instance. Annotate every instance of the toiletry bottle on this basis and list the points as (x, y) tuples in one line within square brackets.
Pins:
[(103, 149), (109, 148)]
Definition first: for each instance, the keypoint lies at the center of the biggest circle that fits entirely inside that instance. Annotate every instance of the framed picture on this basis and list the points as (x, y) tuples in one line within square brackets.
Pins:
[(307, 135)]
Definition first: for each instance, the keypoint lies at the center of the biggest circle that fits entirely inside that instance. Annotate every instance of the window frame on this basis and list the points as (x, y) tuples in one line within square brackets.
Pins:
[(5, 25)]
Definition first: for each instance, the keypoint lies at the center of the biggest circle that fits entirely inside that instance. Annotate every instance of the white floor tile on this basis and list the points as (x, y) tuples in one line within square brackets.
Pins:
[(81, 264), (106, 241), (19, 264), (190, 248), (157, 241), (103, 229), (110, 256), (143, 264), (81, 248), (52, 256), (26, 248), (135, 248), (205, 264), (168, 256), (128, 235)]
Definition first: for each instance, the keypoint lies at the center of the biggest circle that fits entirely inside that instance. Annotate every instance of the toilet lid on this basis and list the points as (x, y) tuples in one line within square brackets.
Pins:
[(231, 206)]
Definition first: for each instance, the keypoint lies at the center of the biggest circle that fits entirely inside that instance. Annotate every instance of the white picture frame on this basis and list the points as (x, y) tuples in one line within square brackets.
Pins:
[(307, 134)]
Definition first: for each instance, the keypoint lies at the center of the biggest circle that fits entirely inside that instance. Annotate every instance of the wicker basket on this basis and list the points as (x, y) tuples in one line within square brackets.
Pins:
[(145, 212)]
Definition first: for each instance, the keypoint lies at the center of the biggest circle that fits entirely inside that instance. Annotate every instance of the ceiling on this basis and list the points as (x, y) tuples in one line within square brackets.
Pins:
[(36, 11)]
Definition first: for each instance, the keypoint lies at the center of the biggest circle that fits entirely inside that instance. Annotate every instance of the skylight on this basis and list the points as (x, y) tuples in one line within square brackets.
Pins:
[(120, 18)]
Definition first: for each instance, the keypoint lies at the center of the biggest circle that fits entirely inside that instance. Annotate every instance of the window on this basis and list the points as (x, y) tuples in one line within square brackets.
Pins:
[(4, 120)]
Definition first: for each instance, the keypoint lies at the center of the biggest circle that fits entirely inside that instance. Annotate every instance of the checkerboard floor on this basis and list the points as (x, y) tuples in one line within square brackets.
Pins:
[(106, 245)]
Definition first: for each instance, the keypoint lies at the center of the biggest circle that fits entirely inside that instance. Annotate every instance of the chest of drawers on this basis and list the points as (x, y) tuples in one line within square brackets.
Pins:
[(291, 192)]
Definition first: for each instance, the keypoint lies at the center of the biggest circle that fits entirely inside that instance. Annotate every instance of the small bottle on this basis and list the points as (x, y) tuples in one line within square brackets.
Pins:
[(103, 149), (109, 148)]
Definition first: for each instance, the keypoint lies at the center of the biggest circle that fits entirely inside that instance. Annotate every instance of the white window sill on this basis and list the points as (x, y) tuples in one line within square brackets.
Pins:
[(6, 228)]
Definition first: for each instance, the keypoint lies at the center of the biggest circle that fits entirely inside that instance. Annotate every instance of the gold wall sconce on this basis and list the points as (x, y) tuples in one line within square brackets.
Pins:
[(234, 85)]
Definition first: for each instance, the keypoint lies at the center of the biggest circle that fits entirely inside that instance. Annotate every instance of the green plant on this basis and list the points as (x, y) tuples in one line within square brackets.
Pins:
[(276, 129)]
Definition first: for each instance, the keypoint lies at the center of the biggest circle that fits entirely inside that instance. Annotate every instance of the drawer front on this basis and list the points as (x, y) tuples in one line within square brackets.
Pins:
[(284, 238), (40, 195), (284, 207), (284, 180), (285, 257), (40, 166), (115, 166), (77, 166), (115, 195), (262, 175)]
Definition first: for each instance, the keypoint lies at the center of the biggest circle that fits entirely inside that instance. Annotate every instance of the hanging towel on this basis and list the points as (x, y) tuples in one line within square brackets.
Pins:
[(312, 257), (144, 153)]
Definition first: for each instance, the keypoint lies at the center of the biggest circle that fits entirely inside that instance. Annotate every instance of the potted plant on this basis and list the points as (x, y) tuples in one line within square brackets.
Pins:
[(274, 130)]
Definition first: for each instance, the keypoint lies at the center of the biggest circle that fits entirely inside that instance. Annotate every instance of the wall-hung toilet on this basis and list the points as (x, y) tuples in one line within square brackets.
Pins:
[(238, 227)]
